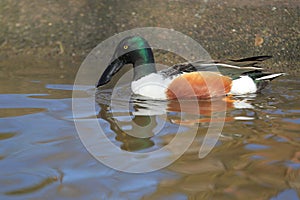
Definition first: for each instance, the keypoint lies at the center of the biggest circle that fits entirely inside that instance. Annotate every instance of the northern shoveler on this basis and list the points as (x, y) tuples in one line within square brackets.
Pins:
[(192, 79)]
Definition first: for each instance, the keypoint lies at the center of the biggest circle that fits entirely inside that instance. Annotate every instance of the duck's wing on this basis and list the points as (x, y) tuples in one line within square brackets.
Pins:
[(229, 67)]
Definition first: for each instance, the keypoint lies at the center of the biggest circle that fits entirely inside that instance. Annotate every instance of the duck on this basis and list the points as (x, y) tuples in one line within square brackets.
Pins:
[(198, 79)]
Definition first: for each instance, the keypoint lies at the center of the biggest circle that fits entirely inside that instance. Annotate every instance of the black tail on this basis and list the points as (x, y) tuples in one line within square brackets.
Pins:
[(258, 75), (262, 78)]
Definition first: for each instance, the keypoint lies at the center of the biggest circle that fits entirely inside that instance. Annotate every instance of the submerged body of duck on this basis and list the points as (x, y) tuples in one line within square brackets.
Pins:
[(186, 80)]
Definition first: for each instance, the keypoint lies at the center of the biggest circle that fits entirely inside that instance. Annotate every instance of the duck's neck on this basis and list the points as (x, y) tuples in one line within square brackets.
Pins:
[(144, 64)]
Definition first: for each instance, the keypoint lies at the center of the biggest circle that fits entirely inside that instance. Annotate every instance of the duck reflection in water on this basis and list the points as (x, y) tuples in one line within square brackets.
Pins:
[(141, 126), (137, 123)]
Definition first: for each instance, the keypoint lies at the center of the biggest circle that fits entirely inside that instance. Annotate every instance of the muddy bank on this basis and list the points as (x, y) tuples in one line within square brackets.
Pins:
[(70, 29)]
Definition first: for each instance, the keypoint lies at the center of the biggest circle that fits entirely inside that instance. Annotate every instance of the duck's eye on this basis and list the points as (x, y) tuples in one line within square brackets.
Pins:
[(125, 46)]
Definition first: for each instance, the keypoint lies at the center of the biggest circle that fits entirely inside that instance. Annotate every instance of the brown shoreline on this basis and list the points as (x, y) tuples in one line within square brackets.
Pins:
[(71, 29)]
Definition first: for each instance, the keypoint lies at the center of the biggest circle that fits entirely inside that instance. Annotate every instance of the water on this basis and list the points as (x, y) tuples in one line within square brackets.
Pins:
[(41, 156)]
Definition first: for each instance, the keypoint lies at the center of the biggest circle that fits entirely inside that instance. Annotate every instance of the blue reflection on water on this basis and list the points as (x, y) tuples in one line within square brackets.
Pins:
[(286, 195), (256, 147)]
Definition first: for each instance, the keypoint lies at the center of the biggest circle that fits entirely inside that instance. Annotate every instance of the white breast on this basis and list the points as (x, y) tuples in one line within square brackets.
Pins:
[(243, 85), (152, 86)]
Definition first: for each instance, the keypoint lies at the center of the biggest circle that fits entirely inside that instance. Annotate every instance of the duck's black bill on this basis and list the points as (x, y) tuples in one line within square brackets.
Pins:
[(113, 68)]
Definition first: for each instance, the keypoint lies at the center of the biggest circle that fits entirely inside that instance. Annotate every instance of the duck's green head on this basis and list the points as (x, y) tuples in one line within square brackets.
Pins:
[(133, 50)]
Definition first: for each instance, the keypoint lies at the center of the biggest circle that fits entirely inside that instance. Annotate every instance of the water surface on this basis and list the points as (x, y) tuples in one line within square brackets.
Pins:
[(41, 156)]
